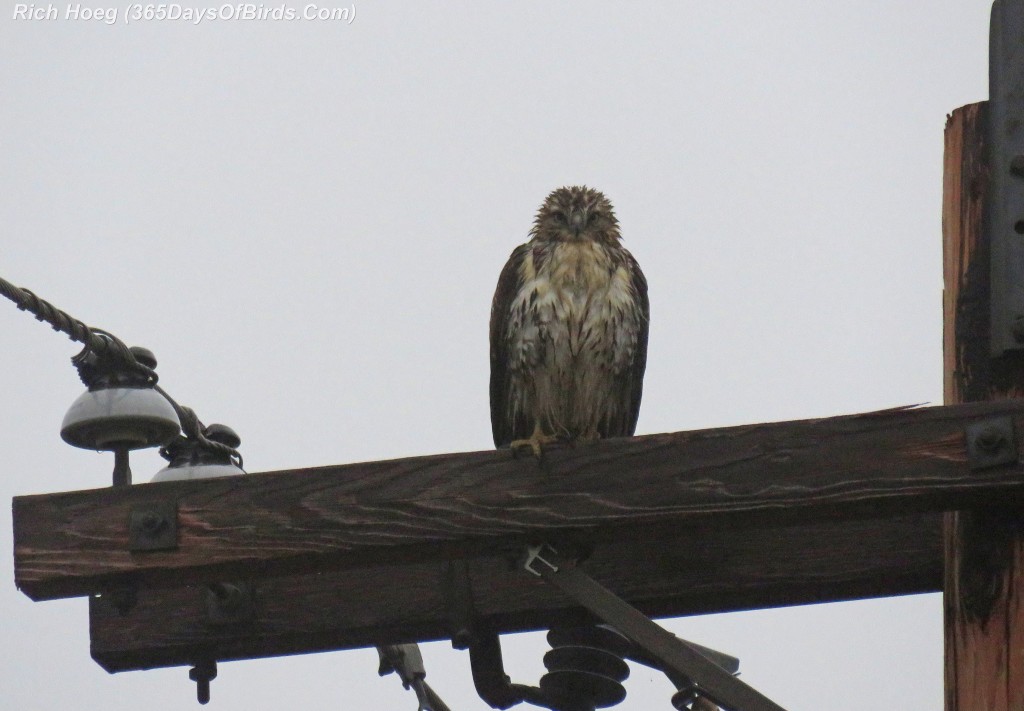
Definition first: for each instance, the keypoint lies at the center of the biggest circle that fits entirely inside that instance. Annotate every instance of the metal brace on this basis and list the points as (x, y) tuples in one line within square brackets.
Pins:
[(459, 604), (675, 656)]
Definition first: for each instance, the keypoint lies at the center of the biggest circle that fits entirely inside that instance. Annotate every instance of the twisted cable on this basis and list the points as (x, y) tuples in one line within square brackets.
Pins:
[(194, 429), (96, 340), (45, 311), (102, 343)]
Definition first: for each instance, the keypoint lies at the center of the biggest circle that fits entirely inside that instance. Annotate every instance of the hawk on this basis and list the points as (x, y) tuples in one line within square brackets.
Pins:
[(568, 329)]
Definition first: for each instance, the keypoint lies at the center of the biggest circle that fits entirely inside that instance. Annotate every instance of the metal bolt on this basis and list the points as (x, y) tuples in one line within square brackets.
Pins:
[(990, 440), (229, 597), (153, 527), (152, 523), (991, 443), (229, 603), (202, 674)]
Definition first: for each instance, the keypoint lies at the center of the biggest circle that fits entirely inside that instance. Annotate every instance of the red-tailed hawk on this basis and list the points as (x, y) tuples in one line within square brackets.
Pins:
[(568, 329)]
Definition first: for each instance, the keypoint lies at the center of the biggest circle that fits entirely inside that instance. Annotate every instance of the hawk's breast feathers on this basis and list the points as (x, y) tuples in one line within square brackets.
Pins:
[(568, 338)]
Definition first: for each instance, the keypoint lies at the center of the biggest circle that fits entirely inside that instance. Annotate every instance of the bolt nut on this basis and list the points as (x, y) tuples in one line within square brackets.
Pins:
[(990, 440), (151, 523), (991, 443), (153, 527), (229, 603)]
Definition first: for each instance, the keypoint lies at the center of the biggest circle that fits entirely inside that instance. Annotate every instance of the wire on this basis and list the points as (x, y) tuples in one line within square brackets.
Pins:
[(103, 344)]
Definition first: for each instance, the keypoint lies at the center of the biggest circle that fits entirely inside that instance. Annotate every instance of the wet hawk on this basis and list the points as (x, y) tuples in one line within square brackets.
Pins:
[(568, 329)]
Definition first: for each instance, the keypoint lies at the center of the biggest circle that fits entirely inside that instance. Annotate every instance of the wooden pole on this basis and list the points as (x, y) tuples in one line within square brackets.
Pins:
[(984, 572)]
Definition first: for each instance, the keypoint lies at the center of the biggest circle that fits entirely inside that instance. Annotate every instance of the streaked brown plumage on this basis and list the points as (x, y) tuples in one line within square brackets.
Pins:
[(568, 328)]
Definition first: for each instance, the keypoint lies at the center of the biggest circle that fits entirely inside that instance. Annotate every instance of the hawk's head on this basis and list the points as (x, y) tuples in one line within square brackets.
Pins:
[(576, 213)]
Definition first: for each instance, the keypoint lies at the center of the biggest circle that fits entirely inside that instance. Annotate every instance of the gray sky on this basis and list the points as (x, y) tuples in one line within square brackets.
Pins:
[(305, 222)]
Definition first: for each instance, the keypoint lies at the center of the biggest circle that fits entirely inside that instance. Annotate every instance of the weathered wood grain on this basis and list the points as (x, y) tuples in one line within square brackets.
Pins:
[(984, 546), (485, 503), (686, 573)]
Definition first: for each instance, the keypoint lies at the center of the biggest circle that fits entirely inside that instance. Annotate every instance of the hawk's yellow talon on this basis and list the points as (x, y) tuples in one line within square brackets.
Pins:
[(535, 442)]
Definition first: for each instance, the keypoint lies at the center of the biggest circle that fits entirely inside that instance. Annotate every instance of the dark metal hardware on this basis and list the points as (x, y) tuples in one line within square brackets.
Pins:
[(495, 687), (1005, 209), (460, 603), (676, 657), (123, 598), (687, 696), (153, 527), (406, 661), (586, 665), (728, 662), (122, 467), (585, 668), (991, 443), (229, 603), (202, 674), (492, 683)]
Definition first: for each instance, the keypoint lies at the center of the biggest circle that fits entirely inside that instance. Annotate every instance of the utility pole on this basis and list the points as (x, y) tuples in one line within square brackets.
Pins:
[(387, 553), (984, 555)]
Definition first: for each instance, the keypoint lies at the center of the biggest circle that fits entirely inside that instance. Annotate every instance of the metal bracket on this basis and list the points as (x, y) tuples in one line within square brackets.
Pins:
[(991, 443), (535, 554), (459, 604), (674, 656), (153, 527), (1004, 217), (406, 661)]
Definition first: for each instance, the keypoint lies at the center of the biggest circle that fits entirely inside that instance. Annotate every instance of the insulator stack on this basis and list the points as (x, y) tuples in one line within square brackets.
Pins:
[(585, 668)]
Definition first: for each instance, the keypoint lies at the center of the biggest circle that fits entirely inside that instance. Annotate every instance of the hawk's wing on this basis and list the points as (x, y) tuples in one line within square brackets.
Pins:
[(630, 382), (502, 427)]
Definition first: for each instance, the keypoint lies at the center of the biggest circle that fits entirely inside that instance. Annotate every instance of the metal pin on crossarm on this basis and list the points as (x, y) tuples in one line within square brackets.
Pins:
[(124, 409)]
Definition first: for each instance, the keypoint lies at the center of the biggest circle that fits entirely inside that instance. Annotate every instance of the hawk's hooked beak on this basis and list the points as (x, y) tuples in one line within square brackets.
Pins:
[(577, 221)]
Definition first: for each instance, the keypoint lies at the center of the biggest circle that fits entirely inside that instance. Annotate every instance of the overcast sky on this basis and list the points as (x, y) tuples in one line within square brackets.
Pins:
[(305, 221)]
